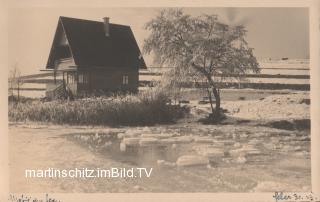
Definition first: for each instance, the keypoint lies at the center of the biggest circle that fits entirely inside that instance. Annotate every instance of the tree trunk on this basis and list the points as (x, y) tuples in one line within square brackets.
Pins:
[(18, 92), (217, 112), (210, 100), (216, 93)]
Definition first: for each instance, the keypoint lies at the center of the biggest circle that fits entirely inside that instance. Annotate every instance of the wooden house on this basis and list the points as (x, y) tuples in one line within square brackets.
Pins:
[(94, 57)]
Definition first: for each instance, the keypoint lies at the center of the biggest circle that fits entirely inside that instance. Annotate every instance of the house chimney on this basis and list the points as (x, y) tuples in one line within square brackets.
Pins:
[(106, 26)]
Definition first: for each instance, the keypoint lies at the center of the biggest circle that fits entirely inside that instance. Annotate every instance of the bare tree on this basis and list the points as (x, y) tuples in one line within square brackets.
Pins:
[(200, 46), (15, 81)]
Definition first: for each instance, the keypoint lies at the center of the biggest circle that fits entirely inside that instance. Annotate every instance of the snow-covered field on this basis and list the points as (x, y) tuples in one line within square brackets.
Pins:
[(246, 80), (245, 154), (272, 67)]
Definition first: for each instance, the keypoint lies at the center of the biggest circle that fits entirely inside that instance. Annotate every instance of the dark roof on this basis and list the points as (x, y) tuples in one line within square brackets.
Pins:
[(90, 47)]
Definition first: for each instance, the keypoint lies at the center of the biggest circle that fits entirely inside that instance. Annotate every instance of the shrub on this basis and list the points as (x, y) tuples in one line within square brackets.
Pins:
[(146, 108)]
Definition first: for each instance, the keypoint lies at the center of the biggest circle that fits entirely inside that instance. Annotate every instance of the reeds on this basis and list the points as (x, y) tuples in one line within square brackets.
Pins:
[(147, 108)]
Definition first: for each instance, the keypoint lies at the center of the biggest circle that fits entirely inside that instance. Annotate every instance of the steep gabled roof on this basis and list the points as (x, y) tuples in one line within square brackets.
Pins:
[(91, 48)]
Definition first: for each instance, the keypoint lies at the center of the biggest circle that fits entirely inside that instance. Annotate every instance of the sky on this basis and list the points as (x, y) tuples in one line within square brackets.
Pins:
[(272, 32)]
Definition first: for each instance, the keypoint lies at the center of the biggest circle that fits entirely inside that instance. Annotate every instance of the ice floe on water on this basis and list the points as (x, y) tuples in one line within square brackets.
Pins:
[(167, 149)]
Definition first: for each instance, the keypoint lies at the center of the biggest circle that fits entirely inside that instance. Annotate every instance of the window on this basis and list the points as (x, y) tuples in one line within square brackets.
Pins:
[(83, 78), (125, 80), (86, 78), (80, 78), (70, 78)]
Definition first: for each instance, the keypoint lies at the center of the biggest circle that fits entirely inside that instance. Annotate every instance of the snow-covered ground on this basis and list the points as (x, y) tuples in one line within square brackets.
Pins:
[(283, 107), (186, 157)]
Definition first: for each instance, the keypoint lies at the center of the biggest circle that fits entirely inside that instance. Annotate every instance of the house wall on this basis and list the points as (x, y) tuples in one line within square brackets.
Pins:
[(109, 80), (98, 81)]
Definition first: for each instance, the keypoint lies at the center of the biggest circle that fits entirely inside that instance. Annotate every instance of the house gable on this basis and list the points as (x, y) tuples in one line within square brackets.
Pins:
[(90, 47), (60, 56)]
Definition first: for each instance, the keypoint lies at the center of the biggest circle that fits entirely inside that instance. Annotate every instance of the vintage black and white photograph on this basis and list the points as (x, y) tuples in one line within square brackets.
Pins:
[(159, 99)]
